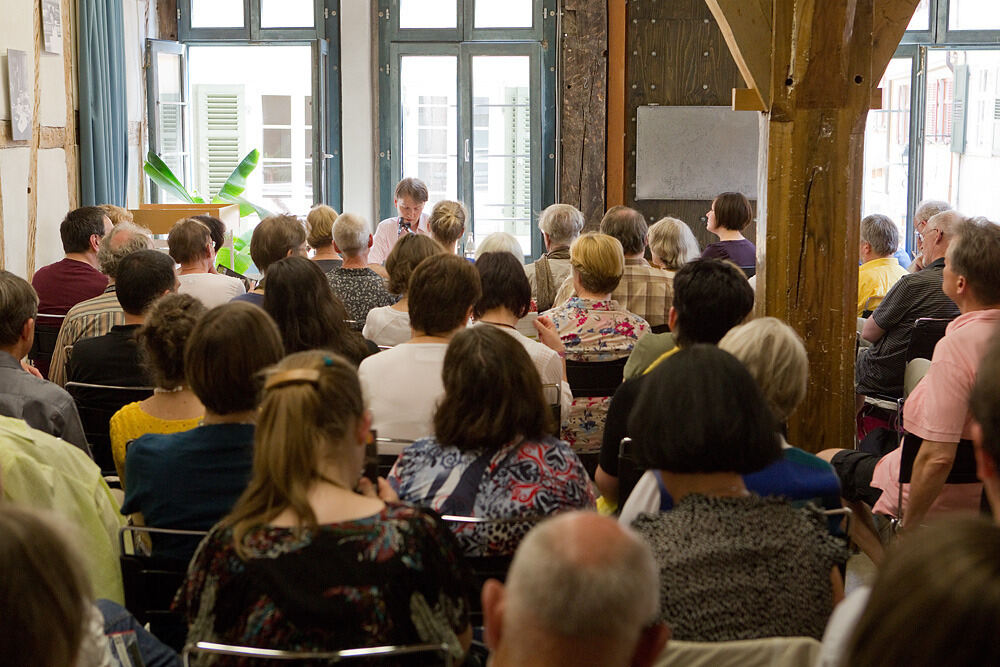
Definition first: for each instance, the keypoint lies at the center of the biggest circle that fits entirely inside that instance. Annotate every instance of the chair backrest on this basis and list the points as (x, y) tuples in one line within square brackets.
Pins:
[(749, 271), (660, 328), (46, 332), (926, 333), (963, 470), (629, 470), (369, 654), (551, 392), (915, 371), (595, 378), (96, 404), (767, 652)]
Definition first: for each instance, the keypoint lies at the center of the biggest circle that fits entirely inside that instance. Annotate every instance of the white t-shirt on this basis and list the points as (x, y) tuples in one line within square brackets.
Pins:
[(402, 387), (387, 326), (212, 289)]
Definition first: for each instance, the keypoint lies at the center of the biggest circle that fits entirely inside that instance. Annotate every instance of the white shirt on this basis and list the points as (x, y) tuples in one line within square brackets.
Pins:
[(212, 289), (402, 387), (387, 233), (387, 326)]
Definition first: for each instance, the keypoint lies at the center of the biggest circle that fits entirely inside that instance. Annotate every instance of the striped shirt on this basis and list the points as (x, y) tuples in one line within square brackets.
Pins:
[(644, 290), (93, 317)]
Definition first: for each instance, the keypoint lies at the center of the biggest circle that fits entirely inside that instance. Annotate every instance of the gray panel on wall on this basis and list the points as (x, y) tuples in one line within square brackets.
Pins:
[(695, 152)]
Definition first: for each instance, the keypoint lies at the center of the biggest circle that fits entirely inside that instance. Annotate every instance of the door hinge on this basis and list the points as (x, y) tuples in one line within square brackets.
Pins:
[(326, 12), (386, 13), (387, 69), (178, 13), (388, 155)]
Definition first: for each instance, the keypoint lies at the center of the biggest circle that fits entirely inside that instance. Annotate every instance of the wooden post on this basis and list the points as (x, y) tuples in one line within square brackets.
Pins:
[(615, 187)]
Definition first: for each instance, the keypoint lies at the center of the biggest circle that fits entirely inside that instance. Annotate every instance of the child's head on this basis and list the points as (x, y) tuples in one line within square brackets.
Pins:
[(410, 197)]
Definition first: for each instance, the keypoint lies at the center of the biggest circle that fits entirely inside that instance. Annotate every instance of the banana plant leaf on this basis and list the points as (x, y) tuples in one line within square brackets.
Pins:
[(237, 181), (241, 261), (160, 173), (242, 242), (246, 207)]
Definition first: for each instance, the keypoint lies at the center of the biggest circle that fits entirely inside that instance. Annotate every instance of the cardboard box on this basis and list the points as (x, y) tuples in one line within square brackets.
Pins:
[(159, 218)]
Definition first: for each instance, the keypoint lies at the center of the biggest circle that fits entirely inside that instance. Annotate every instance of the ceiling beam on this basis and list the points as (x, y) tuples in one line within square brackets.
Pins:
[(746, 27), (890, 21)]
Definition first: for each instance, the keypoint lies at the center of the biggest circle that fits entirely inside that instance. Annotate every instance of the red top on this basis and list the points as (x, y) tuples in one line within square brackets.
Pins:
[(62, 285)]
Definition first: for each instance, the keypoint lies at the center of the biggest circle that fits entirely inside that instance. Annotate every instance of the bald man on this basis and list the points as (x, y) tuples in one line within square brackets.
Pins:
[(581, 590)]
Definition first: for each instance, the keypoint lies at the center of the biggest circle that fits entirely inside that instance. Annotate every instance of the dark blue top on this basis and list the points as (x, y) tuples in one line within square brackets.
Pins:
[(742, 253), (187, 480), (250, 297)]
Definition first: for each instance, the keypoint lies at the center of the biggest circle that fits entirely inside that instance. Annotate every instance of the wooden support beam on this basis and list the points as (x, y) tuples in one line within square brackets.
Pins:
[(614, 194), (36, 138), (69, 81), (746, 27), (166, 19), (890, 21), (746, 99)]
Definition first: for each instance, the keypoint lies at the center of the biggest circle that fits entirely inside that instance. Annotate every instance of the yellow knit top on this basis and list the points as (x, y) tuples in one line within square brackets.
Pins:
[(131, 422)]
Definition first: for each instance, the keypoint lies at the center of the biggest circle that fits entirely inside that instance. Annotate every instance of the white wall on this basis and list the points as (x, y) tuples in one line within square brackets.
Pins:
[(358, 117)]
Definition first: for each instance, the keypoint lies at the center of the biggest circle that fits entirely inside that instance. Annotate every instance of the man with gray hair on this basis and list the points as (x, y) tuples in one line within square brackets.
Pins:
[(879, 270), (926, 210), (41, 404), (560, 224), (357, 285), (582, 590), (95, 317)]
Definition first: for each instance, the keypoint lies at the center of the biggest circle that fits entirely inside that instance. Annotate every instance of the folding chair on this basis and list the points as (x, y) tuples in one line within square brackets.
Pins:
[(46, 332), (97, 403), (749, 271), (963, 469), (595, 378), (389, 450), (629, 471), (376, 653)]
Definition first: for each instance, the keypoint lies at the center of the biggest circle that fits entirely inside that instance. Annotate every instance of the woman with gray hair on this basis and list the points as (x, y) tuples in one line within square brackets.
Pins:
[(560, 224), (672, 244)]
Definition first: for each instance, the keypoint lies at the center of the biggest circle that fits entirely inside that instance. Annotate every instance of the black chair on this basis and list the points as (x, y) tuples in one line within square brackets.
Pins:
[(46, 332), (595, 378), (926, 333), (963, 469), (393, 654), (660, 328), (629, 470), (97, 403), (749, 271)]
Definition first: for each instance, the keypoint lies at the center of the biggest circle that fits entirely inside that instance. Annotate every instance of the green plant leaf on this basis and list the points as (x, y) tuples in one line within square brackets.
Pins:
[(246, 207), (242, 242), (237, 181), (164, 178), (241, 261)]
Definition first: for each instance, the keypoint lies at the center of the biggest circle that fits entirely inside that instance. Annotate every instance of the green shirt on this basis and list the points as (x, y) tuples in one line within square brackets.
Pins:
[(648, 349)]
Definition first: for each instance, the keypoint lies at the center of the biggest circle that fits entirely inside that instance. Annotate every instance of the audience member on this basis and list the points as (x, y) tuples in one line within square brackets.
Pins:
[(274, 238), (402, 385), (43, 405), (320, 224), (190, 480), (308, 314), (594, 327), (95, 317), (173, 407), (357, 285), (75, 277), (880, 368), (500, 242), (581, 591), (216, 229), (560, 224), (328, 567), (113, 359), (937, 411), (447, 223), (730, 214), (672, 244), (409, 198), (879, 270), (984, 404), (644, 290), (116, 214), (926, 210), (492, 455), (190, 245), (702, 423), (390, 325)]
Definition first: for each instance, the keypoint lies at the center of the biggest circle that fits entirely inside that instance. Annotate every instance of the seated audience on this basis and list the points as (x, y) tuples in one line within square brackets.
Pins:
[(594, 327), (560, 224), (506, 299), (113, 359), (409, 198), (95, 317), (703, 424), (274, 238), (402, 385), (672, 244), (308, 314), (116, 214), (581, 591), (190, 480), (357, 285), (926, 210), (173, 406), (447, 223), (327, 567), (984, 403), (319, 222), (390, 325), (643, 289), (879, 270), (190, 245), (500, 242), (492, 455), (937, 411), (880, 368), (730, 214), (75, 277), (216, 229), (42, 404)]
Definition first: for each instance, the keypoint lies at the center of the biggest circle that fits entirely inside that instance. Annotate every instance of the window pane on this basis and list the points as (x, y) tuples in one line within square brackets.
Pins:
[(501, 118), (508, 14), (921, 17), (974, 15), (277, 174), (428, 13), (286, 14), (887, 148), (216, 13), (277, 144), (276, 109), (307, 117), (429, 105)]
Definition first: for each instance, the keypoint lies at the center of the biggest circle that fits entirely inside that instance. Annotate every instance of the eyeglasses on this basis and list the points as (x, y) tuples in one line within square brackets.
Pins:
[(927, 230)]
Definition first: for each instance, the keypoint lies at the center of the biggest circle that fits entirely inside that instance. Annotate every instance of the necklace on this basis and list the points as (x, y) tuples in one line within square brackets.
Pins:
[(161, 390)]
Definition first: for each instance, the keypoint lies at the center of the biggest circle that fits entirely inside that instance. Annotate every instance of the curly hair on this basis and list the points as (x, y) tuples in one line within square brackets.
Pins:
[(408, 252), (161, 338)]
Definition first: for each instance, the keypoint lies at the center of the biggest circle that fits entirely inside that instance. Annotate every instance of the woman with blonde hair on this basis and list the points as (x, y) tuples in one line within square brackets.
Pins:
[(329, 567), (447, 224), (672, 244), (319, 224)]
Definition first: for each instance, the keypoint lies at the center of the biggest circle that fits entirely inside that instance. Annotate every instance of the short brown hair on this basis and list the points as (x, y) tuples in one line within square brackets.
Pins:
[(447, 222), (227, 348), (442, 290), (492, 392), (975, 254), (320, 223), (187, 240), (405, 256), (628, 226), (413, 188), (162, 336), (116, 214), (274, 238), (599, 261), (732, 211), (18, 304)]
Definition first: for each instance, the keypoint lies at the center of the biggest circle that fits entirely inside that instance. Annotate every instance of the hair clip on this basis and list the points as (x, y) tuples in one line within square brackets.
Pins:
[(293, 376), (327, 360)]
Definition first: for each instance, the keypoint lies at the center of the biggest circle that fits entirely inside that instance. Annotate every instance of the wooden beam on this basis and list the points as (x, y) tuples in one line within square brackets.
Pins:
[(746, 99), (615, 188), (69, 79), (747, 31), (166, 19), (890, 21), (36, 137)]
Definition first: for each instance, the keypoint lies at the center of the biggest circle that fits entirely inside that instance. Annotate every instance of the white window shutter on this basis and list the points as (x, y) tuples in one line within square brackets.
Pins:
[(221, 134)]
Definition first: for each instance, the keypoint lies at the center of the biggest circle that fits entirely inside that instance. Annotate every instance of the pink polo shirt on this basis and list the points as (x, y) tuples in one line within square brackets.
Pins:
[(938, 409), (387, 233)]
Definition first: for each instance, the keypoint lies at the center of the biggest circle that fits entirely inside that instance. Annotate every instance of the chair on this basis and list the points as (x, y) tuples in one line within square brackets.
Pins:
[(963, 469), (97, 403), (629, 470), (46, 332), (749, 271), (660, 328), (767, 652), (554, 406), (926, 333), (370, 653), (389, 450), (595, 378)]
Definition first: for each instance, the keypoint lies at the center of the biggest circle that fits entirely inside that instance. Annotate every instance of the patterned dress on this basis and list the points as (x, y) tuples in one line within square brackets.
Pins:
[(360, 290), (526, 478), (593, 331), (393, 578)]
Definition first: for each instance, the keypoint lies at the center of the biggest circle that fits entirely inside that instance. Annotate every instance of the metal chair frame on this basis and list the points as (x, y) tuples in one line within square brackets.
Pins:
[(329, 656)]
